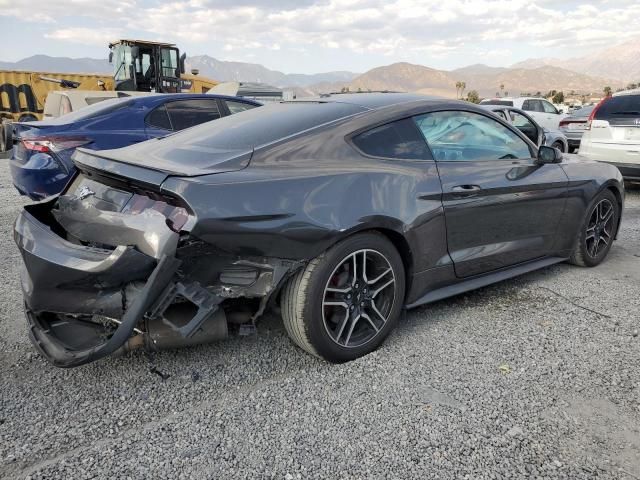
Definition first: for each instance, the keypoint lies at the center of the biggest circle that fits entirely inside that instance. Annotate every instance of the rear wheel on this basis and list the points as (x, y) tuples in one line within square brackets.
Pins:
[(346, 301), (597, 231), (27, 117), (559, 145)]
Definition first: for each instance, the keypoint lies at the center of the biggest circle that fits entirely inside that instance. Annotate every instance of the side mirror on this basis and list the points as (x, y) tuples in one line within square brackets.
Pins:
[(183, 57), (135, 52), (548, 155), (110, 57)]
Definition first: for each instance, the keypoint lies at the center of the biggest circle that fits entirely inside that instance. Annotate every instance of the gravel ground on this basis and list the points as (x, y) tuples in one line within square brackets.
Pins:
[(536, 376)]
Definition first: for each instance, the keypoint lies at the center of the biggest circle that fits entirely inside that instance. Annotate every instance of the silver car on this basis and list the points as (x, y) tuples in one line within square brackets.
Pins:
[(531, 129), (574, 126), (613, 133)]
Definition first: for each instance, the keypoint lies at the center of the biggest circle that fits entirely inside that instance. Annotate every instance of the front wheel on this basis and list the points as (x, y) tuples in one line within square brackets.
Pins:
[(559, 145), (598, 231), (346, 301)]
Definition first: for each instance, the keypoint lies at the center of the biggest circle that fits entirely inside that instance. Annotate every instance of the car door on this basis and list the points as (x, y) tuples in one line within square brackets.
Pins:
[(501, 207), (527, 126)]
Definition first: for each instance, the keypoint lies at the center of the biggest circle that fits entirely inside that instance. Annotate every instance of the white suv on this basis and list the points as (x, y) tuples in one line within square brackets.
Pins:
[(613, 133), (542, 111)]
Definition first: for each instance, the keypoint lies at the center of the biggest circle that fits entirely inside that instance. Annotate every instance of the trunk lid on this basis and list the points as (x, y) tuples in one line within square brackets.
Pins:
[(151, 163)]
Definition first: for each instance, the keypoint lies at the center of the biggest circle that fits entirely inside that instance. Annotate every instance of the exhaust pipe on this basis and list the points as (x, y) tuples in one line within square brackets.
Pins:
[(159, 334)]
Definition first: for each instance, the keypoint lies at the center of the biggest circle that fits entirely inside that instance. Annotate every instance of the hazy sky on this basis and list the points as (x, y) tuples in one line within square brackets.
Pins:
[(307, 36)]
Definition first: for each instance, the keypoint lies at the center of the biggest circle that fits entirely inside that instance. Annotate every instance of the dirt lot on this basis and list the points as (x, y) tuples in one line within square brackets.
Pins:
[(536, 376)]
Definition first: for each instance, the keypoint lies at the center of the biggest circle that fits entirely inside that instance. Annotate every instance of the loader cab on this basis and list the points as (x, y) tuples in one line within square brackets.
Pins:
[(146, 66)]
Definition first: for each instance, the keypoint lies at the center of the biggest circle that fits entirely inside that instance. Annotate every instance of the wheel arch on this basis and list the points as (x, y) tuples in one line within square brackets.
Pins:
[(399, 242), (619, 198)]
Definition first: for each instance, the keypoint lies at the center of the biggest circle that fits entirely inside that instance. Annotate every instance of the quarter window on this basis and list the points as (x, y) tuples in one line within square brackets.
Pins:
[(467, 136), (187, 113), (158, 118), (399, 139)]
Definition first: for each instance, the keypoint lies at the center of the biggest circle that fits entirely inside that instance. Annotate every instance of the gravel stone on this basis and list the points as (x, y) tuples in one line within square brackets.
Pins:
[(431, 403)]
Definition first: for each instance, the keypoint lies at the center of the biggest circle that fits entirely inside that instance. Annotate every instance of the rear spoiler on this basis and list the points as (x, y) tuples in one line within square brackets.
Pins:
[(92, 164)]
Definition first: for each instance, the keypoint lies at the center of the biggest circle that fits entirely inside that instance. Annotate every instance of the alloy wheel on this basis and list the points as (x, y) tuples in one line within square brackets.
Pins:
[(358, 298), (600, 227)]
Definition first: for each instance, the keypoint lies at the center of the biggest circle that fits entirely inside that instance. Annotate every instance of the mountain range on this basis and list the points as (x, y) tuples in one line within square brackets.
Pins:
[(614, 66), (621, 62)]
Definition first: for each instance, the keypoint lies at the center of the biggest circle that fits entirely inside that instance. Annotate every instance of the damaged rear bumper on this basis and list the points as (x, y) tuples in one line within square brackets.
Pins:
[(83, 302), (60, 277)]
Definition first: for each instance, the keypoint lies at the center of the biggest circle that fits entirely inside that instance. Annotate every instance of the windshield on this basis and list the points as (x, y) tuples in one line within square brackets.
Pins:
[(620, 106), (260, 126), (583, 112), (506, 103), (101, 108), (121, 61), (169, 58)]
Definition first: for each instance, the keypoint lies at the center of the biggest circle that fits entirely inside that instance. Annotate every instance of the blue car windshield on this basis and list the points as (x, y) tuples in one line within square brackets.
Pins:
[(97, 109)]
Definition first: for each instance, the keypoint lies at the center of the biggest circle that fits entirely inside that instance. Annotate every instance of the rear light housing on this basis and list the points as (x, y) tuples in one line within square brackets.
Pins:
[(176, 216), (54, 144), (593, 112)]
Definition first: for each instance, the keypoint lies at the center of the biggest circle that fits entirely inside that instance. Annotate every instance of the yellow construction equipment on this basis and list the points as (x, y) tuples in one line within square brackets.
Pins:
[(138, 66)]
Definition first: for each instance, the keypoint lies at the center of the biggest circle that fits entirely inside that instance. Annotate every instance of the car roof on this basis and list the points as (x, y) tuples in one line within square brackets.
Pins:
[(369, 101), (161, 97)]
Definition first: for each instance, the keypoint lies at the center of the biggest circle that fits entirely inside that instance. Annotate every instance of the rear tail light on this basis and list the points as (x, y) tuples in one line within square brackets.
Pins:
[(593, 112), (54, 144), (176, 216), (563, 123)]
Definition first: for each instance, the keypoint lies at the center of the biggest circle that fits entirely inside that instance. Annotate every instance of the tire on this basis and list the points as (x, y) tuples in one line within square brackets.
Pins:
[(594, 230), (320, 303), (27, 117), (559, 145), (3, 138)]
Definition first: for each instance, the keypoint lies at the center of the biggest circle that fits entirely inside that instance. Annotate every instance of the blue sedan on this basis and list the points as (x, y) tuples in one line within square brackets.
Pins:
[(41, 164)]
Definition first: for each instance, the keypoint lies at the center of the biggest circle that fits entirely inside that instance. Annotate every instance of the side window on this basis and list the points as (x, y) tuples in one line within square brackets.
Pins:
[(158, 118), (467, 136), (526, 105), (549, 108), (399, 139), (188, 113), (537, 106), (236, 107)]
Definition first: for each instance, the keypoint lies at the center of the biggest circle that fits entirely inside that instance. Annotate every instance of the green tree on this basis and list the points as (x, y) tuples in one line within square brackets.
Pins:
[(607, 91), (473, 97), (558, 97)]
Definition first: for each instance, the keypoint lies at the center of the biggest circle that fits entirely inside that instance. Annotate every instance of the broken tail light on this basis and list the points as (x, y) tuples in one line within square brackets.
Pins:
[(176, 216)]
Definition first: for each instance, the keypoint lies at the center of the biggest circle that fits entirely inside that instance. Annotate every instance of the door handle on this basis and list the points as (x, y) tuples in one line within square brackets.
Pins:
[(466, 190)]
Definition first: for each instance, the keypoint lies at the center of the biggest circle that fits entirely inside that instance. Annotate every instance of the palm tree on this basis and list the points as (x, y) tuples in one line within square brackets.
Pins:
[(607, 91), (458, 87), (463, 85), (502, 87)]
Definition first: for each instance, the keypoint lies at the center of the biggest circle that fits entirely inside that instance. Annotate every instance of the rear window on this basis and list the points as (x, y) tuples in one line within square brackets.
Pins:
[(505, 103), (263, 125), (621, 107), (400, 139), (583, 112), (91, 111)]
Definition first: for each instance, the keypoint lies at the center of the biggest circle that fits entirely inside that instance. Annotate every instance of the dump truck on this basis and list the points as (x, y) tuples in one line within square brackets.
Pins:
[(138, 66)]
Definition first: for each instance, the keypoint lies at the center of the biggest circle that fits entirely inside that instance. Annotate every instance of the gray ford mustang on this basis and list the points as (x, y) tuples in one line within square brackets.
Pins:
[(341, 211)]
